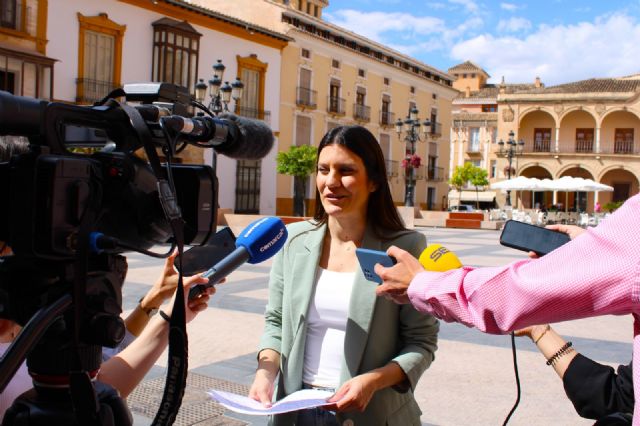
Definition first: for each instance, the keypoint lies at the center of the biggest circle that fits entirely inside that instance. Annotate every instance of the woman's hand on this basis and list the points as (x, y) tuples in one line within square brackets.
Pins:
[(262, 388), (165, 285), (264, 383), (571, 230), (353, 395), (533, 332), (198, 304)]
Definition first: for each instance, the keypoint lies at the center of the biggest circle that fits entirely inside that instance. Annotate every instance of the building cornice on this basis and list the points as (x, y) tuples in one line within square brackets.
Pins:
[(328, 33), (194, 14)]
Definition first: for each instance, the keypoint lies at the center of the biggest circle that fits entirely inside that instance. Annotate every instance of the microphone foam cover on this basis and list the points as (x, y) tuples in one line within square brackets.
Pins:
[(438, 259), (255, 142), (263, 238)]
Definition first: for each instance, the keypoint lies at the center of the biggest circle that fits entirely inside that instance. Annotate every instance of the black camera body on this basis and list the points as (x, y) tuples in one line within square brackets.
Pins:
[(81, 180)]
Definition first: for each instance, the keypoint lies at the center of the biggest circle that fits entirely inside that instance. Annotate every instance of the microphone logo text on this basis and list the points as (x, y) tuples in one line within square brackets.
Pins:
[(437, 254), (273, 241)]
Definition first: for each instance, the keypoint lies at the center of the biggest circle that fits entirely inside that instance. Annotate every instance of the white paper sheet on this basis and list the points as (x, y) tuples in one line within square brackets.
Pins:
[(306, 398)]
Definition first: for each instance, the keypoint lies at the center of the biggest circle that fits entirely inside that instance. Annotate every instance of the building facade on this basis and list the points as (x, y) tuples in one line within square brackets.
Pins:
[(25, 68), (332, 77), (78, 52), (582, 129)]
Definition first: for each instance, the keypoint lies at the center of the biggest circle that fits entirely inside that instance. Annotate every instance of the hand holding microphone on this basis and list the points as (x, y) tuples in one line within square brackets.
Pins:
[(258, 242), (396, 279)]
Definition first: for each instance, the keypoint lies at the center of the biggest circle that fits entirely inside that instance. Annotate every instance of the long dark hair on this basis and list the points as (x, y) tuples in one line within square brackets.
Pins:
[(382, 214)]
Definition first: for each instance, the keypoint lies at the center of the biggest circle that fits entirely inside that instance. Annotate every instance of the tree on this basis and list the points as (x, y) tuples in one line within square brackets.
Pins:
[(461, 175), (478, 179), (299, 162)]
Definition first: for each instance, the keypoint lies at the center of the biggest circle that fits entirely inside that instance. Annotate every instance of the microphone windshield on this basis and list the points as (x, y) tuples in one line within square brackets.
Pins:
[(438, 259), (263, 238), (254, 143)]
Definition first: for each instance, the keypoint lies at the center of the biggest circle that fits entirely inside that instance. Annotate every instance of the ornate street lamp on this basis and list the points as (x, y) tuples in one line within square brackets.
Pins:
[(412, 128), (513, 149), (220, 94)]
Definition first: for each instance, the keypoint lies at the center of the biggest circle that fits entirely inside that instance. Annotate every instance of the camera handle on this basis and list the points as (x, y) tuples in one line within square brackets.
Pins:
[(177, 366)]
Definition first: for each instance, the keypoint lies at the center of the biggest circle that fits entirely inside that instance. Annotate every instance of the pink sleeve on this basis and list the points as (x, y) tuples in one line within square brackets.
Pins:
[(598, 273)]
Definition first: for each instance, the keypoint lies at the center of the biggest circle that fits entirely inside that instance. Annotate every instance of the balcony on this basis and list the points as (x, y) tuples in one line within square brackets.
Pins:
[(435, 174), (623, 147), (90, 91), (254, 113), (361, 112), (543, 145), (436, 130), (584, 146), (420, 173), (306, 98), (474, 149), (336, 105), (392, 168), (387, 118)]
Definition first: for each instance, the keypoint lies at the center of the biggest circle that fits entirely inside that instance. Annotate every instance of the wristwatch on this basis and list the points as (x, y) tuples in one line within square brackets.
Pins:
[(149, 311)]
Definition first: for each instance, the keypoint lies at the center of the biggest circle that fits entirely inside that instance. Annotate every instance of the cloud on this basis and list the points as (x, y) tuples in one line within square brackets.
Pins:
[(560, 53), (513, 25), (470, 5), (375, 25), (508, 6)]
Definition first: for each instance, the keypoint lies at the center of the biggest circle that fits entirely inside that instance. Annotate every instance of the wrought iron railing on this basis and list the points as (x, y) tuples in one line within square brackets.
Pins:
[(306, 97), (361, 112), (336, 105), (387, 118), (89, 91)]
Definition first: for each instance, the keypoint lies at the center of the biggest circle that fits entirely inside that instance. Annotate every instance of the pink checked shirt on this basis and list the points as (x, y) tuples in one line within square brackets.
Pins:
[(598, 273)]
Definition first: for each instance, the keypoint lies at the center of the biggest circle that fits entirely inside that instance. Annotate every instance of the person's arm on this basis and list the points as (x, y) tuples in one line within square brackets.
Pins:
[(595, 274), (125, 370), (595, 390), (266, 374), (161, 290), (549, 343), (356, 393), (264, 381)]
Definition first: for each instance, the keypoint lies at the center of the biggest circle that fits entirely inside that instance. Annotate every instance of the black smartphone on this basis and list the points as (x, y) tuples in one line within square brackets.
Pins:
[(368, 259), (526, 237), (198, 259)]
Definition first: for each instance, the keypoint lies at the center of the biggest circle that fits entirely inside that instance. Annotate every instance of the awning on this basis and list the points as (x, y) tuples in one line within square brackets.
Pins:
[(482, 196)]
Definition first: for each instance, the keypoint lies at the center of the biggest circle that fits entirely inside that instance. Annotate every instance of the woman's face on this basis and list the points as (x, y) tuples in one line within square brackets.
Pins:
[(342, 182)]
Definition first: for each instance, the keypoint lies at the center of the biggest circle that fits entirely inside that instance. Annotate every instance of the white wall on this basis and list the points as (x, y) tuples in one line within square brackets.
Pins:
[(63, 33)]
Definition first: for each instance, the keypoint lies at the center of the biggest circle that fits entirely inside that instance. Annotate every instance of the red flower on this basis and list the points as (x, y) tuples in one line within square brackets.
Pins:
[(413, 161)]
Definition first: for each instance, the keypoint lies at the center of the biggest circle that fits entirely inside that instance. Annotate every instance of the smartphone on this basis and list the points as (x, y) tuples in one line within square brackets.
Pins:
[(198, 259), (526, 237), (368, 259)]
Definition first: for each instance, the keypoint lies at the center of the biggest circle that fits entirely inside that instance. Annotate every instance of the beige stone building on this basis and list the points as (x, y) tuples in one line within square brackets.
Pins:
[(332, 77), (581, 129)]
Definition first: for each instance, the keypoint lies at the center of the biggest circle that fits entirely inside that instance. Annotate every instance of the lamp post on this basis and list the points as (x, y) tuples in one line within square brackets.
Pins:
[(513, 149), (412, 128), (220, 94)]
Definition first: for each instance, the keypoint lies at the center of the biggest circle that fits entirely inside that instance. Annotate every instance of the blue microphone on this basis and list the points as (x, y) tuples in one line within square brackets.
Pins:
[(258, 242)]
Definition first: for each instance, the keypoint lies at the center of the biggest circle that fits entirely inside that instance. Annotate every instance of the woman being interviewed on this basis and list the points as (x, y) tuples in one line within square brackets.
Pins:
[(324, 326)]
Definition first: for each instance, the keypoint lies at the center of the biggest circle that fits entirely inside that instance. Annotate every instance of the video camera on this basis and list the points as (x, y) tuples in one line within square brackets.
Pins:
[(79, 197)]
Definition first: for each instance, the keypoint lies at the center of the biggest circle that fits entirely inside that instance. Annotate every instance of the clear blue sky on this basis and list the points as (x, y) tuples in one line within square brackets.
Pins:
[(558, 40)]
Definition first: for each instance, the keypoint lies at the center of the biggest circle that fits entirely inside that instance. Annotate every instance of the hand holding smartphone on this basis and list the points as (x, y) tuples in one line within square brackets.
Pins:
[(368, 259), (526, 237)]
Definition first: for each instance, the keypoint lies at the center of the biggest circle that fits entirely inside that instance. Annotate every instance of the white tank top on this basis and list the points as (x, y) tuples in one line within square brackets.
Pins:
[(326, 326)]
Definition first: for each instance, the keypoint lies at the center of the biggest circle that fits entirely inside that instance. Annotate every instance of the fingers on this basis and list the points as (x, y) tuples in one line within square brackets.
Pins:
[(193, 280)]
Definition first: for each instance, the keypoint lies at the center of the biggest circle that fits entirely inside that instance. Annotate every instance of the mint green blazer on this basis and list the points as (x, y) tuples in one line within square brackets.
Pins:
[(378, 331)]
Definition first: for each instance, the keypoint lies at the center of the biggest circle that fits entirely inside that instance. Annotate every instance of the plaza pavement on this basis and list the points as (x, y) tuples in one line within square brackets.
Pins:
[(471, 382)]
